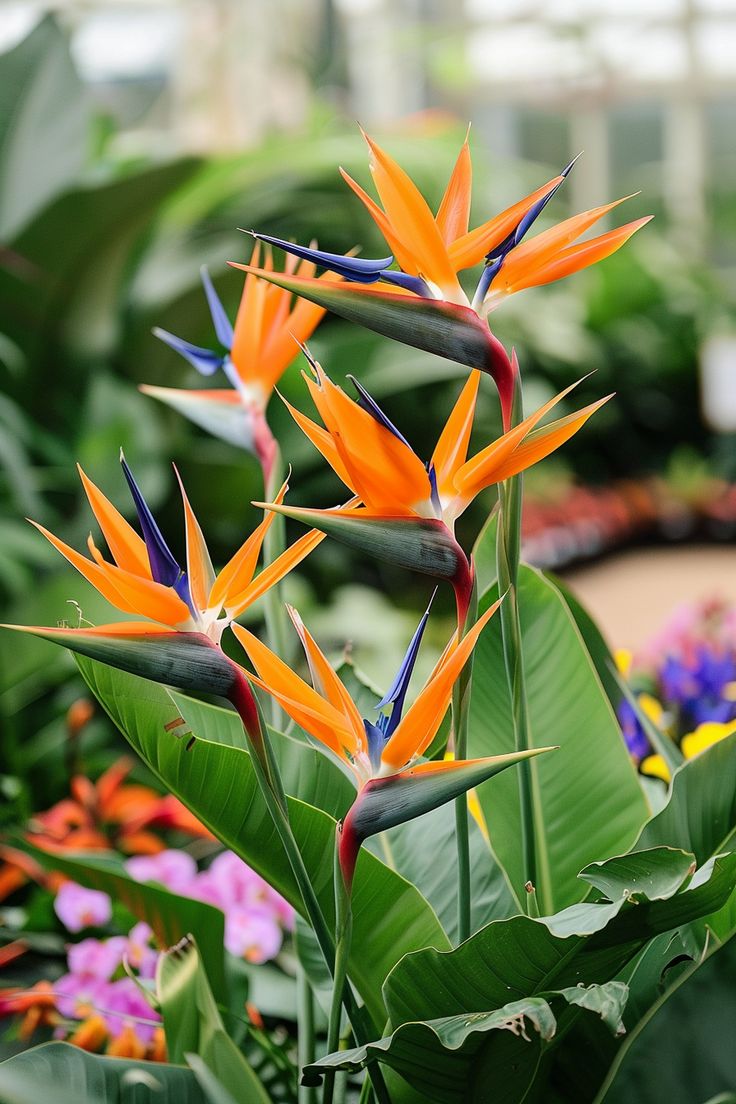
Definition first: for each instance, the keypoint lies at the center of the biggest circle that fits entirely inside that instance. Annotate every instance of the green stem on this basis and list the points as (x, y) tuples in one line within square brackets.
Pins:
[(343, 939), (271, 787), (305, 1029), (508, 551), (274, 544), (366, 1093), (460, 716)]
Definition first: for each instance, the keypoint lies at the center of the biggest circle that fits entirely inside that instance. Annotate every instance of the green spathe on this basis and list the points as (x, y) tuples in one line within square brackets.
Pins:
[(187, 660)]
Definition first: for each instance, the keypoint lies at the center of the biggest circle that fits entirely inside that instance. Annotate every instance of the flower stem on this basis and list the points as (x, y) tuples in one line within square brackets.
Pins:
[(271, 787), (343, 938), (508, 551), (305, 1032), (273, 545), (460, 715)]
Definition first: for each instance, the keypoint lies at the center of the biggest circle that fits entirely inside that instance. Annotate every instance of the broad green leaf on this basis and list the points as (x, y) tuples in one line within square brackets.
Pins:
[(193, 1024), (683, 1050), (530, 956), (449, 1059), (306, 772), (423, 851), (656, 874), (586, 798), (521, 958), (700, 816), (170, 915), (44, 121), (214, 1090), (218, 784), (594, 640), (68, 1075)]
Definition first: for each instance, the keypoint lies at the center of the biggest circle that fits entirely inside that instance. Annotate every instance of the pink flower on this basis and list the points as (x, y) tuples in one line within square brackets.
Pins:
[(79, 908), (139, 953), (97, 958), (124, 1004), (252, 934), (77, 994), (174, 869)]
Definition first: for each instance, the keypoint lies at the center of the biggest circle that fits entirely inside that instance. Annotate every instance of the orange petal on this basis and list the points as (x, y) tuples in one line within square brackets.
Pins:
[(544, 441), (238, 572), (419, 725), (407, 210), (247, 329), (383, 470), (326, 680), (126, 546), (144, 596), (400, 251), (322, 441), (530, 257), (92, 572), (482, 470), (587, 253), (303, 704), (470, 249), (454, 210), (274, 572), (200, 572), (452, 447)]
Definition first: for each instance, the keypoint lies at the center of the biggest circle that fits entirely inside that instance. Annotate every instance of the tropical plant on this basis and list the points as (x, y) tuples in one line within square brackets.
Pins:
[(488, 908)]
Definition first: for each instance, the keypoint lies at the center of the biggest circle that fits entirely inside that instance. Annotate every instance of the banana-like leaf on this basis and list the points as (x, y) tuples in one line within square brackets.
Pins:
[(529, 959), (187, 660), (68, 1075), (229, 420), (443, 1058), (587, 801), (385, 802), (445, 329), (419, 544), (170, 915), (192, 1023), (217, 782)]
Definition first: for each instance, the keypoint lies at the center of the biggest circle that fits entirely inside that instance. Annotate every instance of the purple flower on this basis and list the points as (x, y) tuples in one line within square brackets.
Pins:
[(76, 994), (79, 908), (252, 934), (174, 869), (97, 958), (633, 733), (124, 1004), (139, 953)]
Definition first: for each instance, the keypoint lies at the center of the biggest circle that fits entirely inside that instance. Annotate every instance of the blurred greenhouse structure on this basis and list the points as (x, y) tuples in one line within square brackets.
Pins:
[(647, 90)]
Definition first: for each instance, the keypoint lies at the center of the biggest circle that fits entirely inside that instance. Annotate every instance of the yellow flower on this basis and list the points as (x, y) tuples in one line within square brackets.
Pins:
[(623, 658), (655, 767), (706, 734)]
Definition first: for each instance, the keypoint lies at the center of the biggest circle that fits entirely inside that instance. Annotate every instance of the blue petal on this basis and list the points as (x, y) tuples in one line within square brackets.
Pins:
[(487, 275), (397, 693), (359, 269), (371, 406), (376, 742), (411, 283), (434, 495), (220, 320), (164, 567), (205, 361)]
